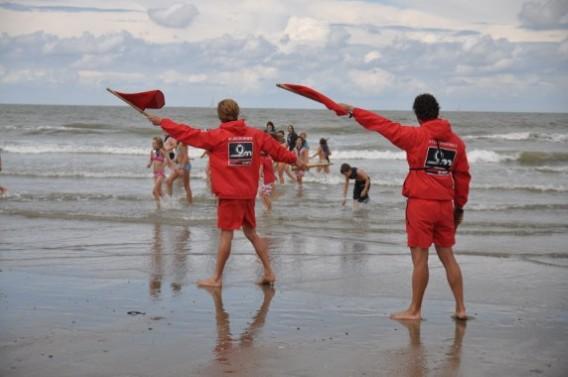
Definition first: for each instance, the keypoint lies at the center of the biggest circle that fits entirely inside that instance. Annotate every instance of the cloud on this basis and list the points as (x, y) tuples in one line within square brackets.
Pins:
[(177, 16), (62, 9), (544, 15), (373, 81)]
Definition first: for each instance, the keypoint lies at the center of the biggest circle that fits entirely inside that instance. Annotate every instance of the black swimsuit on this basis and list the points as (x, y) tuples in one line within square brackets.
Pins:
[(359, 187)]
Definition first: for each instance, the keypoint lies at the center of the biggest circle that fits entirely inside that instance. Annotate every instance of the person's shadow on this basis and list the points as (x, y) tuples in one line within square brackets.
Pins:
[(228, 349), (416, 364)]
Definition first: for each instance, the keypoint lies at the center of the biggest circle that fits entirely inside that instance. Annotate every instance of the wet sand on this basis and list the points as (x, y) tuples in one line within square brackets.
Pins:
[(66, 292)]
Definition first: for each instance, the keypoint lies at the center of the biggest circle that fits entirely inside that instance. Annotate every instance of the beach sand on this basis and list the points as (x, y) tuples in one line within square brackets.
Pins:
[(65, 304)]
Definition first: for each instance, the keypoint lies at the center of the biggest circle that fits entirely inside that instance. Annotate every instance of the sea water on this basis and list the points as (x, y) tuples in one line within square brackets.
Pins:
[(88, 164)]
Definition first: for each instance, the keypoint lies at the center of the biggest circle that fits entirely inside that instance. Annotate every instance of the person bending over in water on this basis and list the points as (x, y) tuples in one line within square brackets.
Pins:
[(234, 154), (361, 186), (437, 188)]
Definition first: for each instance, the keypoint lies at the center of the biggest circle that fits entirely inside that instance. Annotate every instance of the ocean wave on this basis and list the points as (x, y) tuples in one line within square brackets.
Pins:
[(522, 136), (552, 169), (516, 207), (521, 187), (367, 154), (536, 158), (86, 149)]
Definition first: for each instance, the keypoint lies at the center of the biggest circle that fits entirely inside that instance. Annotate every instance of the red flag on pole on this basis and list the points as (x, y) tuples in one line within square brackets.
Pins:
[(153, 99), (314, 95)]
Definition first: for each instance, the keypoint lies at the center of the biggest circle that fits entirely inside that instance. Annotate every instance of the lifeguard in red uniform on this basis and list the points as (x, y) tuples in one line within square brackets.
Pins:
[(437, 188), (234, 153)]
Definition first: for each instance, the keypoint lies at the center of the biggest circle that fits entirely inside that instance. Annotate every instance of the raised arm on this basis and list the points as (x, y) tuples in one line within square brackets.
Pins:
[(184, 133), (403, 137)]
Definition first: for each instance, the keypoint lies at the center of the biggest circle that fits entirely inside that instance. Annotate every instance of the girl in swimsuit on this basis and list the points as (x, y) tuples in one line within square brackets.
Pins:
[(182, 168), (323, 153), (158, 161), (303, 155)]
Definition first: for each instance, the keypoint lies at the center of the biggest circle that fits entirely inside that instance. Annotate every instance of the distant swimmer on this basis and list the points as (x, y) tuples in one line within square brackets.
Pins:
[(437, 188), (3, 189), (361, 186), (234, 156)]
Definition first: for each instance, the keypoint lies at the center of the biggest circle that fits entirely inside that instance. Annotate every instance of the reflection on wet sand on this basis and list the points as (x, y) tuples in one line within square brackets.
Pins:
[(414, 362), (178, 265), (156, 263), (229, 352)]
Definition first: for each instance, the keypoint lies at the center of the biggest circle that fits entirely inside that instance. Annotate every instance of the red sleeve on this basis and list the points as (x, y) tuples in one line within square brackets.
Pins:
[(404, 137), (276, 151), (188, 135), (461, 179)]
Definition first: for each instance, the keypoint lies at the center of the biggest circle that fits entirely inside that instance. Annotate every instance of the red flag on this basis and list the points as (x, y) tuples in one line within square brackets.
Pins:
[(314, 95), (153, 99)]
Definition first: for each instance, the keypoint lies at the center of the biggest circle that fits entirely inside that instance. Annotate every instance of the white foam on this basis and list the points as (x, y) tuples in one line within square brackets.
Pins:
[(367, 154), (481, 155)]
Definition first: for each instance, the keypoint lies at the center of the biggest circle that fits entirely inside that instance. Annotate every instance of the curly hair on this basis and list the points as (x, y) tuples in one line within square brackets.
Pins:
[(426, 107)]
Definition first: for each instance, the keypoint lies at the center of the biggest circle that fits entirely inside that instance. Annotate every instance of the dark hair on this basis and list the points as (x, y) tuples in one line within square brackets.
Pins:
[(293, 129), (325, 147), (426, 107), (345, 168)]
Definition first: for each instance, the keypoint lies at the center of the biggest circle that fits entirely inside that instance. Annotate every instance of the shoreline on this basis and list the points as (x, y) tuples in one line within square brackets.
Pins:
[(326, 316)]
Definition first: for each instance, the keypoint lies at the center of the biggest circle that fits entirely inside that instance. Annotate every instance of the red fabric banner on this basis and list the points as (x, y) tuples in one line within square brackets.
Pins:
[(153, 99), (314, 95)]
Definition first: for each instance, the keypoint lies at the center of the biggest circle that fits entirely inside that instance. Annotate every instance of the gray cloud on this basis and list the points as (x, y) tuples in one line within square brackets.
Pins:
[(62, 9), (179, 15), (544, 15), (496, 71)]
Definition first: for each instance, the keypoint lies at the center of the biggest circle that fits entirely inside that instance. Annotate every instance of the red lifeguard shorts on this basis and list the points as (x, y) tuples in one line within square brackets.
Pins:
[(234, 213), (430, 221)]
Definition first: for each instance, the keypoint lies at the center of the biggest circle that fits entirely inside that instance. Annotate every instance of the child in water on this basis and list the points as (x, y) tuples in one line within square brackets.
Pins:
[(181, 169), (268, 179), (362, 183), (323, 154), (158, 162), (302, 154)]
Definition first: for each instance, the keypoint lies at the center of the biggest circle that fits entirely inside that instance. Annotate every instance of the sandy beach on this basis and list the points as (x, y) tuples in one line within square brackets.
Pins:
[(129, 307)]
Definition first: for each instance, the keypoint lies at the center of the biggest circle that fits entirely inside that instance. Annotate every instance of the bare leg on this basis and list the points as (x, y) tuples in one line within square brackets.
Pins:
[(157, 191), (267, 202), (262, 251), (420, 275), (223, 254), (170, 182), (187, 187), (454, 276)]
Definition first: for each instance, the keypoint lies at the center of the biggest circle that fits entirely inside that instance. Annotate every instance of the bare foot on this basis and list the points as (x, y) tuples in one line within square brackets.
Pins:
[(406, 315), (267, 280), (461, 316), (210, 282)]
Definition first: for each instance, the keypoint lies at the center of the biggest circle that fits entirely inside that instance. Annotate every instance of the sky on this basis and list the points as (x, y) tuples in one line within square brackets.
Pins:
[(487, 55)]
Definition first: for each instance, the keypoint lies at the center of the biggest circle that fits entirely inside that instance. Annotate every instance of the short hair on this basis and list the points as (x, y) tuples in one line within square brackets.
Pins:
[(345, 168), (426, 107), (228, 110)]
